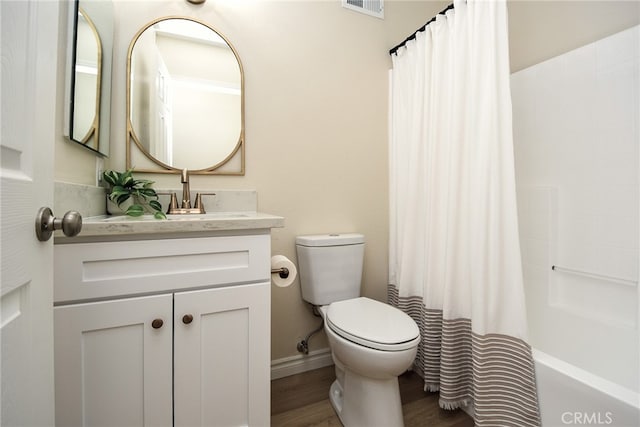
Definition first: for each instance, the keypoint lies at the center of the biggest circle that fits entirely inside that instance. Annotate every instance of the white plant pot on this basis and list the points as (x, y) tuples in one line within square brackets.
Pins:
[(114, 209)]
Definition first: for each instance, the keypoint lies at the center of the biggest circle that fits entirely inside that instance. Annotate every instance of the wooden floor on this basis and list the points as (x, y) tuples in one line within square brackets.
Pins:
[(303, 400)]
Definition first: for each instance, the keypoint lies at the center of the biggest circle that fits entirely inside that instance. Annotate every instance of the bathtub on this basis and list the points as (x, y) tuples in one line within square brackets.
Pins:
[(571, 396)]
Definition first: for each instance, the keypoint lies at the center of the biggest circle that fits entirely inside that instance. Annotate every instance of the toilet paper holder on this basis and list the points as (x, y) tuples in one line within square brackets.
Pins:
[(283, 272)]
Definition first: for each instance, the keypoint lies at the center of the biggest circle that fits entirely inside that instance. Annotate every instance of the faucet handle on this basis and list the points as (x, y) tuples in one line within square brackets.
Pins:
[(173, 203), (198, 204)]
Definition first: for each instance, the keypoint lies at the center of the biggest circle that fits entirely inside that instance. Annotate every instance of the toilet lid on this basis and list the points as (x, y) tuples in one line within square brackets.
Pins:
[(373, 324)]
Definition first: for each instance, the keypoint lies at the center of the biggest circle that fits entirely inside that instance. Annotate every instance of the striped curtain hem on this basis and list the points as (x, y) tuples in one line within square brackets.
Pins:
[(494, 372)]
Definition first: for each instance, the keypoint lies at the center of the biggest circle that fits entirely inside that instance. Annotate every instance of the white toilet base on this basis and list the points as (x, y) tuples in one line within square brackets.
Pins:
[(335, 397), (373, 402), (366, 392)]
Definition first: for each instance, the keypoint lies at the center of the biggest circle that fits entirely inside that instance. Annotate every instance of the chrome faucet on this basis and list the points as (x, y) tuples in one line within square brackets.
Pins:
[(185, 207)]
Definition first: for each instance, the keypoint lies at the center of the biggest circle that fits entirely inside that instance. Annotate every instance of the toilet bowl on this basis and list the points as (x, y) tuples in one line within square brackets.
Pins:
[(365, 392), (371, 342)]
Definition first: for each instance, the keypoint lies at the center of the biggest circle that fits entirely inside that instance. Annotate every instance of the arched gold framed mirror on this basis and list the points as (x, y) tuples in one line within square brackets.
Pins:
[(185, 100)]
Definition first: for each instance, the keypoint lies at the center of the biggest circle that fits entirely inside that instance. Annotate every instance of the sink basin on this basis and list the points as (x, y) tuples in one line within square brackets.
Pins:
[(181, 217), (214, 215)]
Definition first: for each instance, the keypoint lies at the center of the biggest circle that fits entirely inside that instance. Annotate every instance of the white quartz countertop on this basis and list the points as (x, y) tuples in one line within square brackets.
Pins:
[(121, 226)]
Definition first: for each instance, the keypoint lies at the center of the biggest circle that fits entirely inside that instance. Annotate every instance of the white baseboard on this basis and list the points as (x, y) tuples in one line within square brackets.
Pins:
[(292, 365)]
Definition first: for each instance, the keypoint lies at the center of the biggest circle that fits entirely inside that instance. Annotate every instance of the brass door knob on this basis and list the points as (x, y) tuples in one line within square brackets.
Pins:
[(187, 318), (157, 323)]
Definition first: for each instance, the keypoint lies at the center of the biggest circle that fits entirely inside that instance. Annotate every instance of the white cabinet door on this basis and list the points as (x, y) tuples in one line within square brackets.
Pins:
[(112, 366), (222, 356)]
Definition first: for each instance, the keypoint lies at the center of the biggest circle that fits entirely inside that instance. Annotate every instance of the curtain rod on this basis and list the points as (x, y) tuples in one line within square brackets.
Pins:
[(424, 27)]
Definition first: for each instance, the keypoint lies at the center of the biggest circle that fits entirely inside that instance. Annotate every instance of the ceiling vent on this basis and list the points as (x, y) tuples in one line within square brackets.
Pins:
[(369, 7)]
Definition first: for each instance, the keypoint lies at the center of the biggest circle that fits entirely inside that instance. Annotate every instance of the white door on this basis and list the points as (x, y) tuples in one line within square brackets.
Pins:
[(113, 362), (222, 356), (163, 138), (28, 120)]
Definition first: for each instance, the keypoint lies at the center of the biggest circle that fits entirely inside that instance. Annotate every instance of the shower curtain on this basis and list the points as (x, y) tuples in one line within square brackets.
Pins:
[(454, 250)]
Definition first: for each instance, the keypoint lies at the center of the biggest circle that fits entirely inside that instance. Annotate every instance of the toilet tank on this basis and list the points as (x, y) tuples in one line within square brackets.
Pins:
[(330, 266)]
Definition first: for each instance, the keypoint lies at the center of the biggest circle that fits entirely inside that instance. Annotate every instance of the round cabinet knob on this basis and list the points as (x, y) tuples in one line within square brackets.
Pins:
[(157, 323), (187, 318)]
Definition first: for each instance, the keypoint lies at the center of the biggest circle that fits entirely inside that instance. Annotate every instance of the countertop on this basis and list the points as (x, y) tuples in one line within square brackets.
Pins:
[(122, 227)]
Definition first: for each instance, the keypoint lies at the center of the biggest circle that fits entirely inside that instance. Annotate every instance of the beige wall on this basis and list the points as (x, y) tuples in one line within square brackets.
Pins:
[(539, 30), (316, 123), (316, 127)]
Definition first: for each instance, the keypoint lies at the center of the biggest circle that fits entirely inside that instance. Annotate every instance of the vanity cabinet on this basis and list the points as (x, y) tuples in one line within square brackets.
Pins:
[(223, 379), (112, 368), (163, 332)]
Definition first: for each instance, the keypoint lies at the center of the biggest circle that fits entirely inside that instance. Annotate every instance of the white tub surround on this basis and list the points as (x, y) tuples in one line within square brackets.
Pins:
[(576, 133)]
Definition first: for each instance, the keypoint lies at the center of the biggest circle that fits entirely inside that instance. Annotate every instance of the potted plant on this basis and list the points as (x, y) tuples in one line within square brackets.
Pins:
[(122, 187)]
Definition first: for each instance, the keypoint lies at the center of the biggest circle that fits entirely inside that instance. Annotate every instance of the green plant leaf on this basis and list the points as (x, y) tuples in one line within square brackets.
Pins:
[(124, 186), (127, 181), (135, 210), (118, 189), (112, 177), (120, 199), (119, 195), (147, 192)]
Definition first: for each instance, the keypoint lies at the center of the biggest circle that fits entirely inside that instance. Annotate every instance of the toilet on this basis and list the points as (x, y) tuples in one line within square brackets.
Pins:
[(371, 342)]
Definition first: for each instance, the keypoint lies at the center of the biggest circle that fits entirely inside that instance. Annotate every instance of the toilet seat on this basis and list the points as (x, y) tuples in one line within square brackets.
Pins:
[(373, 324)]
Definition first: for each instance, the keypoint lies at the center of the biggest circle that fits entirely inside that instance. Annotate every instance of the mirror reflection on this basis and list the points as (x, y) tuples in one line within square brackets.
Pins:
[(89, 76), (185, 97), (85, 119)]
